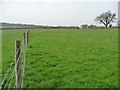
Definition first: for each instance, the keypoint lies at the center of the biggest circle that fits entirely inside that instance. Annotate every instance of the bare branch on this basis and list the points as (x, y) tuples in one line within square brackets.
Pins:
[(106, 18)]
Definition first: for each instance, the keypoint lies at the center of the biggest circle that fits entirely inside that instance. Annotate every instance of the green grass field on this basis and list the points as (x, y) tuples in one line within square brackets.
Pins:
[(0, 55), (67, 58)]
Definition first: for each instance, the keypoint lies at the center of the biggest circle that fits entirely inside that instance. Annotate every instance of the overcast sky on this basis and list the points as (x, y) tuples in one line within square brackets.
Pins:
[(55, 12)]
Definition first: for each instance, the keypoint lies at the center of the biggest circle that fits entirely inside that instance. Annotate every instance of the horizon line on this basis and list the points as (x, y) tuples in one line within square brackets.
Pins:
[(97, 24)]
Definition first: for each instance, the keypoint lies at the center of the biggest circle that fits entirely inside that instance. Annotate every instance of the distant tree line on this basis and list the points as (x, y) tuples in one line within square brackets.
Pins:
[(85, 26)]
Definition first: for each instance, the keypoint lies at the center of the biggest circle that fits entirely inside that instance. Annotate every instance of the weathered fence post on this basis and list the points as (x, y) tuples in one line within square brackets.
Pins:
[(24, 39), (28, 37), (17, 65), (28, 31), (24, 55)]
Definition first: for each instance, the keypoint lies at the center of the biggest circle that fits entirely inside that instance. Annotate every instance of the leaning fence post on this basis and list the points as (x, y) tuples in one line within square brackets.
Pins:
[(17, 64)]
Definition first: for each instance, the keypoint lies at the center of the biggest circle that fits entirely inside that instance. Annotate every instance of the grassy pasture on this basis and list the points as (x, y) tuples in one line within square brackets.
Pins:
[(0, 55), (67, 58)]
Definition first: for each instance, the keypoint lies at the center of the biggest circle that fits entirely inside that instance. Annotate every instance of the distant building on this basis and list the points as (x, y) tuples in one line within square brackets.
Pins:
[(92, 26), (84, 26), (74, 27)]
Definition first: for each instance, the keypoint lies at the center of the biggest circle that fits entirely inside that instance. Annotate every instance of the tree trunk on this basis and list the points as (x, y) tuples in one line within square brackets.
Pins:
[(106, 26)]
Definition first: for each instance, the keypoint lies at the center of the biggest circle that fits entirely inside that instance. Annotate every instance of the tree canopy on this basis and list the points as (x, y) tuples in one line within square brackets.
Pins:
[(106, 18)]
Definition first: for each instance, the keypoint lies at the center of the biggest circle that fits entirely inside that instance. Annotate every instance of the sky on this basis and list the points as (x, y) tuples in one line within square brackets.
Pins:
[(55, 12)]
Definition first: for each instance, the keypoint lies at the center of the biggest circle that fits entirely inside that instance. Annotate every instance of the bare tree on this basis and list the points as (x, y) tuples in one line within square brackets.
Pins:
[(106, 18), (110, 25)]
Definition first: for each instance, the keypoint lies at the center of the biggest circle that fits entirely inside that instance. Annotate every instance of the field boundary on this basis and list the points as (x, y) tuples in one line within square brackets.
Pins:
[(15, 72)]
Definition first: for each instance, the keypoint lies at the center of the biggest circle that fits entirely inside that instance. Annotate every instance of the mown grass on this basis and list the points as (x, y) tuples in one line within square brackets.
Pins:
[(67, 58)]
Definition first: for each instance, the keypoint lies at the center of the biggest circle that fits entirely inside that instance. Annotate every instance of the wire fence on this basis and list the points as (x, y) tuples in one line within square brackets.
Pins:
[(14, 76)]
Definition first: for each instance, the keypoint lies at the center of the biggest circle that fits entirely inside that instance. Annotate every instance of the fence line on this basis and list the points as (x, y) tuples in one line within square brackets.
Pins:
[(12, 72), (24, 46), (8, 71), (18, 69)]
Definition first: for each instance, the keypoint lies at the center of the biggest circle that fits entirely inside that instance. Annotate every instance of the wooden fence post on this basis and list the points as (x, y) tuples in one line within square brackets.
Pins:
[(24, 37), (27, 37), (17, 65), (28, 31)]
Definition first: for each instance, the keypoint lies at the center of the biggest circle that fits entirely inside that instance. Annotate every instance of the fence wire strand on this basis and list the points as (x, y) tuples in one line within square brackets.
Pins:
[(11, 79), (14, 74), (21, 69), (8, 70), (13, 71)]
